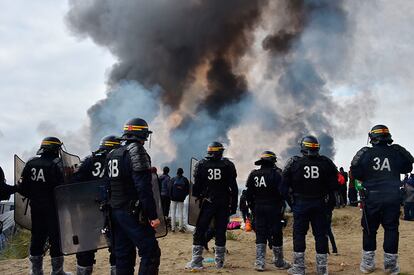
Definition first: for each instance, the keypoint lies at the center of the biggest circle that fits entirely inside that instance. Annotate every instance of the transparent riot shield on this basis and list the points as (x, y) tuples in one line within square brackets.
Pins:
[(84, 216), (82, 223), (193, 205), (161, 230), (70, 165), (21, 204)]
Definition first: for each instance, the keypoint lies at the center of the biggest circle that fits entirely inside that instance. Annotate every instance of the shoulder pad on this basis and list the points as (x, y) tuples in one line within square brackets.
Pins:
[(278, 169), (291, 161), (139, 157), (254, 171), (32, 159), (290, 164), (325, 158), (57, 160), (403, 151), (199, 163), (228, 162), (87, 158), (358, 156), (98, 153)]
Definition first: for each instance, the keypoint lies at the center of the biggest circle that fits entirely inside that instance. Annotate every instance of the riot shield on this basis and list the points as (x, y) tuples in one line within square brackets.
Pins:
[(21, 204), (81, 221), (193, 205), (161, 230), (70, 165)]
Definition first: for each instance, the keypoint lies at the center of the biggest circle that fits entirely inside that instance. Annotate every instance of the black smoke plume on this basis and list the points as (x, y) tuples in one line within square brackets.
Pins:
[(186, 66)]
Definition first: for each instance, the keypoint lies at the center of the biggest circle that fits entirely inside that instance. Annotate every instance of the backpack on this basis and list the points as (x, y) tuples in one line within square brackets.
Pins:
[(179, 189)]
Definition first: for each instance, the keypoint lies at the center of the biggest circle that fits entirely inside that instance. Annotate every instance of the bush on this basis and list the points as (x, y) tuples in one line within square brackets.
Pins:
[(17, 246)]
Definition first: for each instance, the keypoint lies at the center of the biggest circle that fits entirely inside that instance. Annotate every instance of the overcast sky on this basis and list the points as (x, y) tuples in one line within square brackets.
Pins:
[(49, 78)]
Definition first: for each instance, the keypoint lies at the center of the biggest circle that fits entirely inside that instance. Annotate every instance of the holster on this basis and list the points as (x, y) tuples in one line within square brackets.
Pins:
[(135, 210)]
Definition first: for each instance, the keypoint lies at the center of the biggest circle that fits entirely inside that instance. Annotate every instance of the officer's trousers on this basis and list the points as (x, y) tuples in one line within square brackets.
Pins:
[(381, 208), (129, 234), (220, 213), (311, 211), (409, 211), (269, 224), (353, 196), (330, 232), (245, 215), (165, 202), (44, 227)]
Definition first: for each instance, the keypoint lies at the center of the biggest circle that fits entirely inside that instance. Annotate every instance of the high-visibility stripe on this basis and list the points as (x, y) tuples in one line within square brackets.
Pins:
[(214, 149), (134, 127), (268, 155), (311, 144), (111, 143), (49, 142), (380, 131)]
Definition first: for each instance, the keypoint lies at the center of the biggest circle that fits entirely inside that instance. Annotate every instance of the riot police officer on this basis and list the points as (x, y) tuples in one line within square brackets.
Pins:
[(5, 189), (216, 188), (93, 168), (40, 176), (379, 168), (309, 182), (263, 191), (134, 214)]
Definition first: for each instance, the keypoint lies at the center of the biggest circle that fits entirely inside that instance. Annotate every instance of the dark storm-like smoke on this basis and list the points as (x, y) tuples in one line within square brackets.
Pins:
[(186, 65), (163, 43)]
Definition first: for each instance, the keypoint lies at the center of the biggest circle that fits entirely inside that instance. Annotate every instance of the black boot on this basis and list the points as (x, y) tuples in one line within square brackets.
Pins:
[(36, 267)]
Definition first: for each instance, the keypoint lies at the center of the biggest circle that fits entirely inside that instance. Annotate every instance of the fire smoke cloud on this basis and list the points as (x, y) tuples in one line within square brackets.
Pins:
[(254, 74)]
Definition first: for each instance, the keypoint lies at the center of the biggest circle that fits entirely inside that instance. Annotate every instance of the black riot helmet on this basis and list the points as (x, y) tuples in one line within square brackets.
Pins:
[(49, 145), (267, 157), (380, 134), (215, 150), (136, 129), (309, 146), (109, 143)]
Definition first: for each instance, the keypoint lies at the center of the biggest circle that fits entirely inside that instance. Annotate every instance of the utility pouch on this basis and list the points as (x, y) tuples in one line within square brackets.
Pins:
[(135, 210)]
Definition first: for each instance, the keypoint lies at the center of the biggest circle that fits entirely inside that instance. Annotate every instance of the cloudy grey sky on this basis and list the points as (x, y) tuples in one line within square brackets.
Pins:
[(49, 78)]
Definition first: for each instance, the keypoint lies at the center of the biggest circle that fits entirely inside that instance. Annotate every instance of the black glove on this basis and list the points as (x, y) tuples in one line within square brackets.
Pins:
[(6, 191), (332, 200)]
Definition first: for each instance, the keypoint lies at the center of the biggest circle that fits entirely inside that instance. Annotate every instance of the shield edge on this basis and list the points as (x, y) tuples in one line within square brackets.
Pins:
[(190, 221), (16, 179)]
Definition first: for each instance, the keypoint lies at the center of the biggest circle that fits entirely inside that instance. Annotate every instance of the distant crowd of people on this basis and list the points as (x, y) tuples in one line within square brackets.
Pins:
[(174, 191)]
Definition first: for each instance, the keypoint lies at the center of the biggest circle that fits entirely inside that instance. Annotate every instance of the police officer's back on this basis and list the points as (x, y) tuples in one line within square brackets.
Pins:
[(215, 178), (134, 214), (93, 168), (309, 181), (40, 176), (263, 191), (379, 168), (216, 187)]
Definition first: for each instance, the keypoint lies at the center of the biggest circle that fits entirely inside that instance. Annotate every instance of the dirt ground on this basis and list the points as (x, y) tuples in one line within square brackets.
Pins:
[(176, 251)]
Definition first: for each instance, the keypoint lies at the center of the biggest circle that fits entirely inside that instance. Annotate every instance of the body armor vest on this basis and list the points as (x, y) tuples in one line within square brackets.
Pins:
[(122, 186)]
